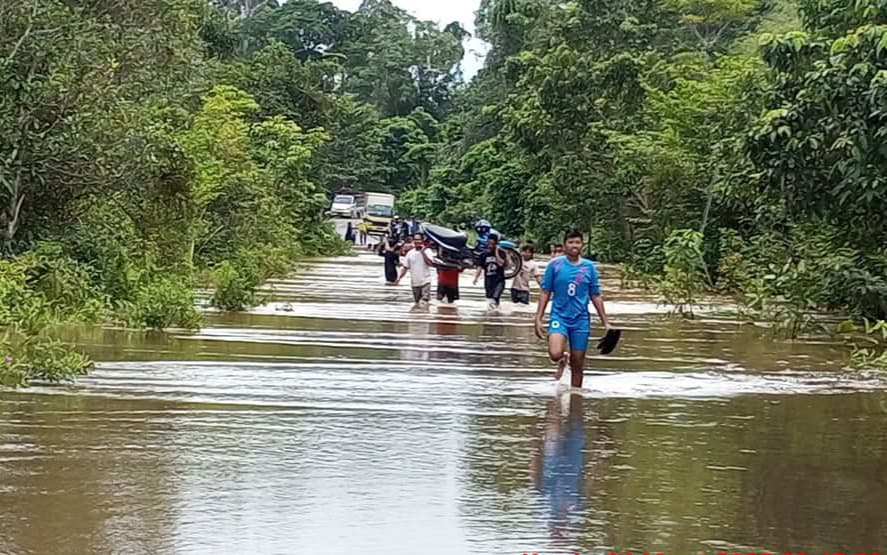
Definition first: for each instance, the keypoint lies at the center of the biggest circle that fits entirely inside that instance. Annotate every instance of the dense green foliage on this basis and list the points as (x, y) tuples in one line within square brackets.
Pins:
[(873, 355), (730, 146), (152, 147)]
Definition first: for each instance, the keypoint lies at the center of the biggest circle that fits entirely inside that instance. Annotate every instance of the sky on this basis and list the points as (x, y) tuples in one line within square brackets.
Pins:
[(443, 12)]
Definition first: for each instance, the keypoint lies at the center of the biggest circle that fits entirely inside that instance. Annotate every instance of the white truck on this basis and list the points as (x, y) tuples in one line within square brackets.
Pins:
[(378, 212)]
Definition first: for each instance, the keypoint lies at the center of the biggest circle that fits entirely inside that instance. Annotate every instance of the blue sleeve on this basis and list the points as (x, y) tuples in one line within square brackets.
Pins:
[(594, 285), (548, 278)]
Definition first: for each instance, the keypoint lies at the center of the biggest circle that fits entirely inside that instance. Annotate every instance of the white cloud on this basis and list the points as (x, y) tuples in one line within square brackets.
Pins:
[(443, 12)]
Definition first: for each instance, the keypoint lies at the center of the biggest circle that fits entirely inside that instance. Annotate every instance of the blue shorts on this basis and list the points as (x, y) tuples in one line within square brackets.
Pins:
[(577, 334)]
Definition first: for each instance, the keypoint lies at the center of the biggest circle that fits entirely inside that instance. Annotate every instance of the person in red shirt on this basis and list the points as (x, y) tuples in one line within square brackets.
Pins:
[(448, 284)]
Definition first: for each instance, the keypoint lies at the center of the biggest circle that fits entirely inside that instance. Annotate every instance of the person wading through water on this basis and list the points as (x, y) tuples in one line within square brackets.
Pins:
[(520, 287), (391, 253), (418, 263), (571, 282), (492, 265)]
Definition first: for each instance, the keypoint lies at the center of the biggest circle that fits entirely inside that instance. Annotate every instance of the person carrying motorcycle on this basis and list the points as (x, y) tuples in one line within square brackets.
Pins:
[(395, 229), (484, 230), (492, 266)]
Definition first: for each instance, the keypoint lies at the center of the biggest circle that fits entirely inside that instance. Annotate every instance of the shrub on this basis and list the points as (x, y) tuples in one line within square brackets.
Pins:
[(684, 278), (324, 241), (235, 281), (235, 288), (28, 358), (874, 356), (163, 302), (788, 278)]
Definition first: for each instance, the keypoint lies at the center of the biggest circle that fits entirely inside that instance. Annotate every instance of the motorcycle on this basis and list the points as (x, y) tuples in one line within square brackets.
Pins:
[(451, 248)]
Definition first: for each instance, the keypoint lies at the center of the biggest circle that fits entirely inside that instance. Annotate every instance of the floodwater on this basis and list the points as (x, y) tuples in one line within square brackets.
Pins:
[(334, 420)]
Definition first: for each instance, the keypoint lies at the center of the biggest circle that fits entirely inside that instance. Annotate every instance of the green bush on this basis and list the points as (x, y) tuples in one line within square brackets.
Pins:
[(68, 286), (323, 241), (789, 278), (26, 358), (873, 355), (684, 278), (163, 302), (235, 281), (607, 243), (647, 260), (234, 288)]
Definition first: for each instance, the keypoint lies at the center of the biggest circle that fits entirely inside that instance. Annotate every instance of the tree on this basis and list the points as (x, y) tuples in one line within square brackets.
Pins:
[(298, 90), (77, 96), (398, 63), (820, 146), (407, 152), (354, 157), (308, 28), (712, 24)]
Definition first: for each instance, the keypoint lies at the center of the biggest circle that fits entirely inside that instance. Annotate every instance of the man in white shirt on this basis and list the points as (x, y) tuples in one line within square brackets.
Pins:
[(418, 264)]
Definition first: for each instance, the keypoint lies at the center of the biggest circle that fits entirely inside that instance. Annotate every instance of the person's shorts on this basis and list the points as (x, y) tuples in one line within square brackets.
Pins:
[(494, 289), (448, 292), (577, 334), (422, 293), (520, 297)]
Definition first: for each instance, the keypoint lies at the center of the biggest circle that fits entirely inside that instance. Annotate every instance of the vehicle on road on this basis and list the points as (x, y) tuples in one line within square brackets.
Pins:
[(451, 249), (345, 206), (378, 212)]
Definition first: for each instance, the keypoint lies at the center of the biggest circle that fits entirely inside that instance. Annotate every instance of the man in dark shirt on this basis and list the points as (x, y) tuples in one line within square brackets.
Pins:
[(492, 265), (395, 228)]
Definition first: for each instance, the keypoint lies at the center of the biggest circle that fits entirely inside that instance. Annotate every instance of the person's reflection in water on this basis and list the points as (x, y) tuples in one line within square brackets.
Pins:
[(417, 345), (446, 327), (447, 322), (559, 467), (559, 476)]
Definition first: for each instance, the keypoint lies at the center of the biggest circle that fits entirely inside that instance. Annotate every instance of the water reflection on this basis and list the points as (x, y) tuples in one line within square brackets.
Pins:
[(417, 347), (567, 469), (559, 466)]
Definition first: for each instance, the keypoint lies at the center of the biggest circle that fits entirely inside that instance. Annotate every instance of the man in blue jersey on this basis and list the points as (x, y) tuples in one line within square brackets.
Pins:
[(571, 281)]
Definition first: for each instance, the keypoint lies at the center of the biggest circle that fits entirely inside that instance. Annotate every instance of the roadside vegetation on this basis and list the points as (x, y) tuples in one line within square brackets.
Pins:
[(712, 147)]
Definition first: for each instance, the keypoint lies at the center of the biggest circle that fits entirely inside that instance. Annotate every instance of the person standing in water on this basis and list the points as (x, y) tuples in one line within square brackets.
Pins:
[(492, 265), (572, 282), (448, 284), (418, 264), (394, 229), (391, 253), (520, 287), (362, 230)]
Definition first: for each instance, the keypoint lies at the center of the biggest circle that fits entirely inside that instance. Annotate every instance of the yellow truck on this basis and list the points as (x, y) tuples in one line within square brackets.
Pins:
[(378, 212)]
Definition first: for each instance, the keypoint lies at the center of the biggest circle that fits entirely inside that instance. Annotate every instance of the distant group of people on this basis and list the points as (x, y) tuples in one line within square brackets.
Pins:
[(419, 262), (403, 230)]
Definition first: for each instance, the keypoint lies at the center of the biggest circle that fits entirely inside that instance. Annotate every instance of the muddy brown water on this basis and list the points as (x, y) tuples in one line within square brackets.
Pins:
[(334, 420)]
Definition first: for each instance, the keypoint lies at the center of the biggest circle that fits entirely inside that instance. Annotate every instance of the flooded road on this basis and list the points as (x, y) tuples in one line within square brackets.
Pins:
[(332, 419)]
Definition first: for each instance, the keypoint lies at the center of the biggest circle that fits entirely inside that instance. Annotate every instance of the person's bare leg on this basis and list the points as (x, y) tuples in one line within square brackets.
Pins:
[(557, 350), (577, 367)]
